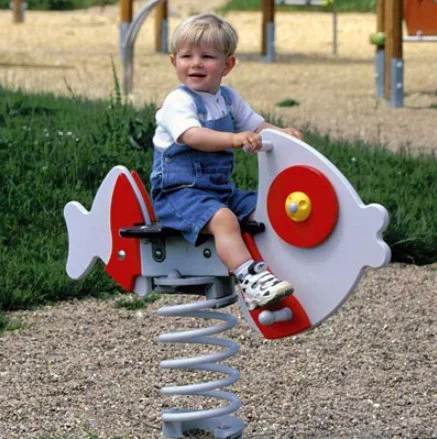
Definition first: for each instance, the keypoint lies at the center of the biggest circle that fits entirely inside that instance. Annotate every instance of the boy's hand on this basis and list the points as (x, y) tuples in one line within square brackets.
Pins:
[(249, 140), (290, 131), (293, 132)]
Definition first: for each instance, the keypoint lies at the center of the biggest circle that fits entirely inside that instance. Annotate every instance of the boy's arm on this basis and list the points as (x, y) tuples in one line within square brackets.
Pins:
[(207, 140), (291, 131)]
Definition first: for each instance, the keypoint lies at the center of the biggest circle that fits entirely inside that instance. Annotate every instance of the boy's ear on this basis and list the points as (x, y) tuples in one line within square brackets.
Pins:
[(173, 60), (229, 64)]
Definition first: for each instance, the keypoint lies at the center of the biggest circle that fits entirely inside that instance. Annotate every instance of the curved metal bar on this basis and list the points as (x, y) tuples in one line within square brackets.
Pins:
[(134, 28), (128, 35)]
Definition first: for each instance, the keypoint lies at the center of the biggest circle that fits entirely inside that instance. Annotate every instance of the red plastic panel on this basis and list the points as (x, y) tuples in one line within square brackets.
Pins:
[(324, 213), (145, 195), (300, 321), (125, 211), (420, 17)]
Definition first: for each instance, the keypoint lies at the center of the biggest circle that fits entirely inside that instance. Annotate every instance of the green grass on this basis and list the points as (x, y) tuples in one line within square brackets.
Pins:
[(340, 5), (288, 102), (8, 324), (133, 303), (59, 5), (53, 150)]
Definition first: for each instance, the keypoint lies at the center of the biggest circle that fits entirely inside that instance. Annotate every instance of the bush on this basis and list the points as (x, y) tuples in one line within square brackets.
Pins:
[(53, 150)]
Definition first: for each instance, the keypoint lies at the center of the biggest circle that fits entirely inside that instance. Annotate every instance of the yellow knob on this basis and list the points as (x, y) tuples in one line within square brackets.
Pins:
[(298, 206)]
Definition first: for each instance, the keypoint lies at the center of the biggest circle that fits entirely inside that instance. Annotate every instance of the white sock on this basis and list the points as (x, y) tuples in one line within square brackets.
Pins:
[(241, 271)]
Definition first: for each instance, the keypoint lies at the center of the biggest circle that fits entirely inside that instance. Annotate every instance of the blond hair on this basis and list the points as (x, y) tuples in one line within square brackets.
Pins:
[(205, 29)]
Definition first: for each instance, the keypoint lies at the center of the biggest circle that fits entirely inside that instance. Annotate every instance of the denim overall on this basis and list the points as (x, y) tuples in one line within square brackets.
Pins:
[(189, 186)]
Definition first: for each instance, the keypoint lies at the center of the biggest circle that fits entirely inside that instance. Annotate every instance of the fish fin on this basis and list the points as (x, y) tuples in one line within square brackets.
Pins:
[(82, 251)]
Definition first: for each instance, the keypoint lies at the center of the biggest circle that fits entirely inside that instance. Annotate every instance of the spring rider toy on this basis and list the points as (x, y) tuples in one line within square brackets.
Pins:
[(311, 229)]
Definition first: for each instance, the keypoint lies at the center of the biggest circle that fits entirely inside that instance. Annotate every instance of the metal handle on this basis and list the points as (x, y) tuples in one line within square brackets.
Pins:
[(267, 318), (267, 145)]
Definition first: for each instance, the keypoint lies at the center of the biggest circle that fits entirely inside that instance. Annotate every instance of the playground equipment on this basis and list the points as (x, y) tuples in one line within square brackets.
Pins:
[(129, 29), (18, 7), (268, 23), (421, 22), (311, 228)]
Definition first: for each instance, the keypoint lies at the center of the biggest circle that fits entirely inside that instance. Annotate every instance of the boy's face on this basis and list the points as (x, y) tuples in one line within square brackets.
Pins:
[(201, 68)]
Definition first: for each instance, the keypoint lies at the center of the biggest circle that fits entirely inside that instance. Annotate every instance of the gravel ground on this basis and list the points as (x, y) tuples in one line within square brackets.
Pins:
[(87, 368), (368, 372)]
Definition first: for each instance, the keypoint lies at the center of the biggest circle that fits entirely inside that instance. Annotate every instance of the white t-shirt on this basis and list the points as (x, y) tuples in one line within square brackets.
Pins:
[(179, 113)]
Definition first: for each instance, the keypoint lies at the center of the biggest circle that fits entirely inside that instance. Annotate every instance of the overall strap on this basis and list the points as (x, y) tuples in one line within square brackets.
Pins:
[(201, 109), (227, 96)]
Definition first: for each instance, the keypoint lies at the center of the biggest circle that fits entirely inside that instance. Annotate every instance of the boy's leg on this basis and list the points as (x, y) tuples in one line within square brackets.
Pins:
[(258, 285), (225, 228)]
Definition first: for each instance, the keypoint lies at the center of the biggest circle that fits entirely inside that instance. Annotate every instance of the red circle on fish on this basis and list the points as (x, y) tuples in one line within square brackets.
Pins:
[(324, 213)]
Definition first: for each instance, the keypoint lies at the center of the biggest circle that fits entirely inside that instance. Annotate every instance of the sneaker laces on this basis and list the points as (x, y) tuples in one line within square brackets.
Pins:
[(264, 280)]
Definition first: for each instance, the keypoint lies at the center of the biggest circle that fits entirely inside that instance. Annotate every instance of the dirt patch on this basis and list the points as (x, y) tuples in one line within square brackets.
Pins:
[(336, 93)]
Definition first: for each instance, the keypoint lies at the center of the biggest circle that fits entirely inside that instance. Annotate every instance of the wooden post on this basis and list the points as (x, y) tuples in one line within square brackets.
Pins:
[(267, 31), (17, 10), (268, 15), (161, 20), (380, 49), (126, 11), (393, 39), (380, 15), (126, 52)]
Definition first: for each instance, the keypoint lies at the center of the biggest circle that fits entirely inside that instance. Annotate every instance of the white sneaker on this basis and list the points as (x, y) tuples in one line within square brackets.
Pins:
[(261, 288)]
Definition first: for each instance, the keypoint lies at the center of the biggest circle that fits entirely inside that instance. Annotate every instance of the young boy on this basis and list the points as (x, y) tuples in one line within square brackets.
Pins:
[(198, 126)]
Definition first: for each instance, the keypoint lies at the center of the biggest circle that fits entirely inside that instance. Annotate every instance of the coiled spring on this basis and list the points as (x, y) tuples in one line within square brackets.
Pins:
[(209, 362)]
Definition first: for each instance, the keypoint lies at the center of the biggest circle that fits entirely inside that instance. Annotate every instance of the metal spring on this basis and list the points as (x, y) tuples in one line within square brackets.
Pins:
[(207, 362)]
